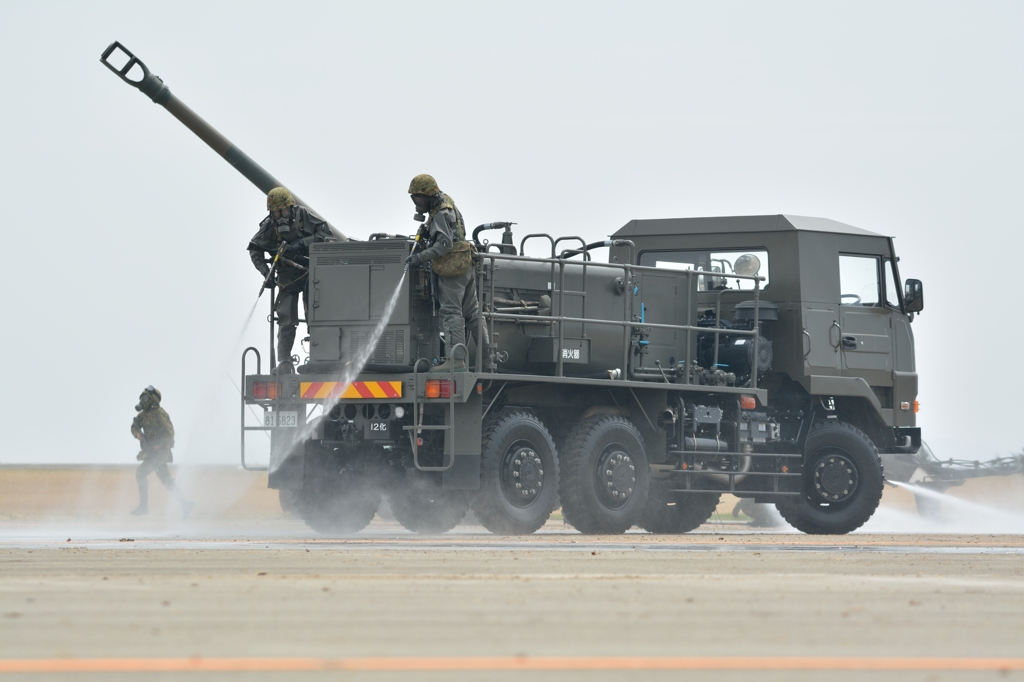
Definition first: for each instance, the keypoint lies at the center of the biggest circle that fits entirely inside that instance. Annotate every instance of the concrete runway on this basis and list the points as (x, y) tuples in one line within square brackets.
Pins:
[(722, 603)]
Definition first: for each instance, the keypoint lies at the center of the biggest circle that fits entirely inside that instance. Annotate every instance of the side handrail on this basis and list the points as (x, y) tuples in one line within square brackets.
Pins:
[(245, 428), (418, 427), (543, 235)]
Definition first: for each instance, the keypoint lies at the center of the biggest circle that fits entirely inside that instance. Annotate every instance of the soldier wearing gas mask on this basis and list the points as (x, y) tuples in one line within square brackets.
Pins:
[(451, 258), (153, 429), (289, 229)]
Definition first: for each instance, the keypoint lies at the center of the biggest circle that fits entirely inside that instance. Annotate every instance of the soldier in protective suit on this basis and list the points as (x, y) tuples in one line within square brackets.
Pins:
[(451, 259), (152, 427), (289, 229)]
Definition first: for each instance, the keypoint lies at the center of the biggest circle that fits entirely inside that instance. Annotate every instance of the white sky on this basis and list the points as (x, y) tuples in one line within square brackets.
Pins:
[(126, 235)]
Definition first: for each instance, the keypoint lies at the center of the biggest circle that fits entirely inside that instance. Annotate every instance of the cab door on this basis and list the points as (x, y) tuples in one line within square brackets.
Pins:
[(865, 321)]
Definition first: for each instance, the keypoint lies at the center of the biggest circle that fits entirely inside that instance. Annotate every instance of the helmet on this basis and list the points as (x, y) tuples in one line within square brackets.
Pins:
[(278, 198), (423, 184), (150, 396)]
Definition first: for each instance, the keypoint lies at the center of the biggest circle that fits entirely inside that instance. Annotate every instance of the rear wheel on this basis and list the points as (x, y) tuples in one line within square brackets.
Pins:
[(604, 475), (519, 475), (335, 499), (842, 481), (287, 500), (423, 506), (668, 512)]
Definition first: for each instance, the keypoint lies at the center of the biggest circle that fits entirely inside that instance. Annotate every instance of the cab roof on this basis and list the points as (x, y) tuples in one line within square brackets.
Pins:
[(726, 224)]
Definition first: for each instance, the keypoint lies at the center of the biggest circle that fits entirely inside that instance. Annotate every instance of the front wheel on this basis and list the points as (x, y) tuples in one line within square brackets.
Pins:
[(842, 481), (519, 475), (605, 475)]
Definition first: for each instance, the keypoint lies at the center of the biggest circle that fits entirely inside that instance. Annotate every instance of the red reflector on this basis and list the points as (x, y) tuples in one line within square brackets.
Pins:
[(748, 402), (266, 390)]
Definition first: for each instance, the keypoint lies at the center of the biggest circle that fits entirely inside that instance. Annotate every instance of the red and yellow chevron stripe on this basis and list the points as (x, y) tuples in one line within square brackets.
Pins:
[(321, 390)]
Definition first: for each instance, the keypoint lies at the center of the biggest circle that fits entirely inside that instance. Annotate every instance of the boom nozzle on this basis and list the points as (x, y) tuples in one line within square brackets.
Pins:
[(134, 72)]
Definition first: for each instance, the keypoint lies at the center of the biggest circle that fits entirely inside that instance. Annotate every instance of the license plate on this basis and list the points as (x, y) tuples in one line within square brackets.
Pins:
[(281, 420)]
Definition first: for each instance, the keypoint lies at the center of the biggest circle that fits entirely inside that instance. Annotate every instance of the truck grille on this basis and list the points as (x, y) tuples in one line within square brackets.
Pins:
[(390, 349)]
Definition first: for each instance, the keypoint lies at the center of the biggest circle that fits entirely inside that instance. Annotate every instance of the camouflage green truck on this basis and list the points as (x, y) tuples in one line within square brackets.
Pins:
[(630, 381), (766, 356)]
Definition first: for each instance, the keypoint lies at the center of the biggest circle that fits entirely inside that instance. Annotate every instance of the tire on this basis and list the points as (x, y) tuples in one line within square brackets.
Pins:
[(674, 513), (519, 475), (424, 507), (332, 500), (594, 445), (840, 462), (287, 500)]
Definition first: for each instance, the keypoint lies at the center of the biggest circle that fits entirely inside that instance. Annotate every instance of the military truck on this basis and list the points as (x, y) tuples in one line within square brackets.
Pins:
[(631, 381), (767, 356)]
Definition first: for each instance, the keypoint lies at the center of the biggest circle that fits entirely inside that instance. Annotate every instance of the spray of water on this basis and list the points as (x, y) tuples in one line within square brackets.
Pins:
[(947, 514)]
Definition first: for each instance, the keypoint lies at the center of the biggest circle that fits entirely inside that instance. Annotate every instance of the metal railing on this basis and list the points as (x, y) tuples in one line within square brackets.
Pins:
[(629, 271), (245, 428)]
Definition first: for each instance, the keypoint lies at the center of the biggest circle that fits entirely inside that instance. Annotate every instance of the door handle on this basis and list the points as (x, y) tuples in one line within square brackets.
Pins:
[(849, 342), (808, 344), (838, 342)]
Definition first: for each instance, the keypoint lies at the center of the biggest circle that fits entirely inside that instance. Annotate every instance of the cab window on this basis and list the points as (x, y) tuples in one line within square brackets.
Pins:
[(722, 263), (858, 280)]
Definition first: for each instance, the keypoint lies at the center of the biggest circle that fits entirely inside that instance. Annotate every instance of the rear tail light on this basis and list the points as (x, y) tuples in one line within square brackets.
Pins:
[(440, 388), (748, 402), (266, 390)]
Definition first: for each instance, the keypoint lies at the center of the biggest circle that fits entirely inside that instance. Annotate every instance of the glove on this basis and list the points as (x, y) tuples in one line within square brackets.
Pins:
[(413, 260), (296, 248), (140, 456), (269, 284)]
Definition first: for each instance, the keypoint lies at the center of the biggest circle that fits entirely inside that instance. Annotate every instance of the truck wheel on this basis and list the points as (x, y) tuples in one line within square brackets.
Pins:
[(339, 504), (604, 475), (668, 512), (424, 507), (842, 481), (519, 475), (287, 500)]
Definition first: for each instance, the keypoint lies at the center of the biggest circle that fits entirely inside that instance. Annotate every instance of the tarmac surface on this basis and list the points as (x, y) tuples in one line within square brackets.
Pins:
[(721, 603), (253, 594)]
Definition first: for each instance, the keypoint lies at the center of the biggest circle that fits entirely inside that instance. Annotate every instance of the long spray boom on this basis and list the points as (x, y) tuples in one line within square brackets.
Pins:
[(136, 74)]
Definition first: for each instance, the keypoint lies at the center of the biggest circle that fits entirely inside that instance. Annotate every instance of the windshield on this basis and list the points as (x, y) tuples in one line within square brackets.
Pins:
[(733, 262)]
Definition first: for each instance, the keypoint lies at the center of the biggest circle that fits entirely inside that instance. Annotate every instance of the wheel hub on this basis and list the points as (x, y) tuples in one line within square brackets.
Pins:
[(616, 475), (523, 477), (835, 478)]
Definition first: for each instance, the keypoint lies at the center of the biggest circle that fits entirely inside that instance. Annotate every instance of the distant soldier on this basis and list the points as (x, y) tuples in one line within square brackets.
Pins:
[(451, 258), (152, 427), (289, 229)]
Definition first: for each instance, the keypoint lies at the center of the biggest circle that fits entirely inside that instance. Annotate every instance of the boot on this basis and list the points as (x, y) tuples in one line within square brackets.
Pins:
[(186, 508), (284, 367), (141, 510), (460, 365)]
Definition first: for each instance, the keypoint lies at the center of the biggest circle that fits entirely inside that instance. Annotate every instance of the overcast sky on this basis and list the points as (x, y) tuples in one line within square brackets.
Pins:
[(125, 235)]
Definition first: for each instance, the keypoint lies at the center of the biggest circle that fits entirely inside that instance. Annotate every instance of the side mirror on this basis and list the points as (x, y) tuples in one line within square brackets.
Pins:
[(913, 295)]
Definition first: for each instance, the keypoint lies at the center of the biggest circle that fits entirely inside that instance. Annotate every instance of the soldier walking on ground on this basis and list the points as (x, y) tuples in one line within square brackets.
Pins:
[(287, 232), (152, 427), (451, 259)]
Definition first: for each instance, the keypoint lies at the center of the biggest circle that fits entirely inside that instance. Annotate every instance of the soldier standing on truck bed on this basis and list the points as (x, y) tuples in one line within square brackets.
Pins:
[(451, 258), (152, 427), (287, 232)]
